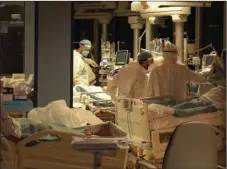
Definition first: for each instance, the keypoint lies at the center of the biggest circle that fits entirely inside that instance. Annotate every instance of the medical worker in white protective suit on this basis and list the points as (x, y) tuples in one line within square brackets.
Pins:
[(218, 72), (82, 72), (131, 80), (169, 78)]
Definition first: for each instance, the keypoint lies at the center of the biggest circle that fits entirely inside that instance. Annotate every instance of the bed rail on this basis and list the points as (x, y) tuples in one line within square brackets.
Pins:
[(43, 133), (127, 108), (132, 116)]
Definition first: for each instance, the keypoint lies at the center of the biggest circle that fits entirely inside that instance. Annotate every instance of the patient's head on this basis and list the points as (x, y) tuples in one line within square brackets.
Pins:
[(170, 53)]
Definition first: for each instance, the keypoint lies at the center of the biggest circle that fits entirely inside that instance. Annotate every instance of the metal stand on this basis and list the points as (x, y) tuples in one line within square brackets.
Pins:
[(97, 160), (98, 157), (97, 146)]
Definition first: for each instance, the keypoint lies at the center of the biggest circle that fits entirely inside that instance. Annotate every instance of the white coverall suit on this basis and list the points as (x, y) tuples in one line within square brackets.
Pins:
[(130, 81), (169, 78), (82, 73)]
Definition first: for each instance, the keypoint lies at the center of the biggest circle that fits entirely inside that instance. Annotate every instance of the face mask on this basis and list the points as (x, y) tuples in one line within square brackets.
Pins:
[(85, 53)]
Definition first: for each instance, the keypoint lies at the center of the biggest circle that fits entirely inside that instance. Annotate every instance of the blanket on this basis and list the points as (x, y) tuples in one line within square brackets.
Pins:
[(25, 127), (57, 112), (162, 101), (161, 108)]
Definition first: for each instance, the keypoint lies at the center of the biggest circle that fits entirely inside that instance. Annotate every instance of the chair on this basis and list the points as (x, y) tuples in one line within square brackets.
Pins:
[(192, 145)]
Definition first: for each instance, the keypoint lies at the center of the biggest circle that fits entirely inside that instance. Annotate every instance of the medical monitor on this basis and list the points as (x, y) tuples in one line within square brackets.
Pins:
[(208, 60), (122, 57), (106, 60)]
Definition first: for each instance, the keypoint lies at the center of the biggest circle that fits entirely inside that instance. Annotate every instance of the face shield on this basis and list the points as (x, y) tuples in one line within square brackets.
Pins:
[(170, 56), (170, 53)]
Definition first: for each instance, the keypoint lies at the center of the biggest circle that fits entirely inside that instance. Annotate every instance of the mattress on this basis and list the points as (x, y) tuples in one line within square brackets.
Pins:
[(169, 121)]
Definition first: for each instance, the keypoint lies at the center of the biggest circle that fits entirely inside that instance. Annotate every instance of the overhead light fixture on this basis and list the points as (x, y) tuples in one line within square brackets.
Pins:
[(176, 17), (181, 4), (154, 6), (152, 20), (179, 18)]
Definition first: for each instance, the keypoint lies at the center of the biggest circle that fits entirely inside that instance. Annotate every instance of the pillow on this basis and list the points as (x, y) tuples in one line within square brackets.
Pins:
[(157, 111)]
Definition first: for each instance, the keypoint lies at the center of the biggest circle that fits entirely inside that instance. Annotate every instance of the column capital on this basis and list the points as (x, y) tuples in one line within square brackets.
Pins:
[(136, 22), (105, 19), (179, 18)]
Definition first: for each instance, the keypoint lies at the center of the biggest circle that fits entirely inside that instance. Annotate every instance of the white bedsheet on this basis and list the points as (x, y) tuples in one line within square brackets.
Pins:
[(170, 121), (161, 117), (157, 111), (58, 112)]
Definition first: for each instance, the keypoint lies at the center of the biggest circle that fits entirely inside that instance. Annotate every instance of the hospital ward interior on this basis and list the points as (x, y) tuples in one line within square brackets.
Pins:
[(113, 85)]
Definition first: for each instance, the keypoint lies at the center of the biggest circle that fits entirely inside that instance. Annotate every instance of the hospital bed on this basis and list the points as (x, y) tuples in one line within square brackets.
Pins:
[(103, 109), (37, 153), (91, 96), (95, 93), (150, 135), (96, 101)]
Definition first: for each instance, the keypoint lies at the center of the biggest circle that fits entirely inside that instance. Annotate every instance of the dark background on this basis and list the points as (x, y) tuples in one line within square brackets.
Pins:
[(12, 43)]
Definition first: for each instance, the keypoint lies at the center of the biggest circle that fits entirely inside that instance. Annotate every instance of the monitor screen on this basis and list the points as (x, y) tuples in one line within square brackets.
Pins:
[(106, 60), (122, 57), (208, 60)]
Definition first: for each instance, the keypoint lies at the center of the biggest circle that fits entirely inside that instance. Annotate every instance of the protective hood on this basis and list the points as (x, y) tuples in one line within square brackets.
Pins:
[(221, 63), (170, 53)]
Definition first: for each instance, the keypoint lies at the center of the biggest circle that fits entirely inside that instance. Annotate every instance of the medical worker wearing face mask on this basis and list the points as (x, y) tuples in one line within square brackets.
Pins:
[(82, 73), (169, 79), (131, 80)]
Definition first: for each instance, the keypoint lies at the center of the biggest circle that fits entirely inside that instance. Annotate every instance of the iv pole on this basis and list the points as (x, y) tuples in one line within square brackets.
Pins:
[(206, 47), (140, 39)]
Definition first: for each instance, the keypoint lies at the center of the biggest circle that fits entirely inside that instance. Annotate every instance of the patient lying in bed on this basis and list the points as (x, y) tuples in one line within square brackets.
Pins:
[(211, 101), (58, 112), (25, 127), (56, 115)]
